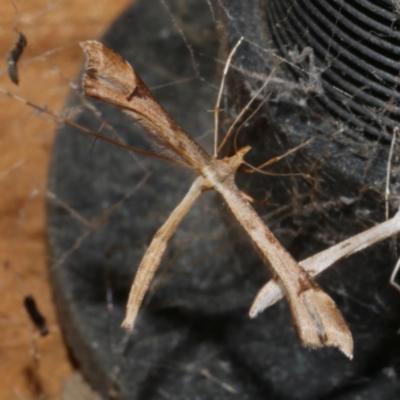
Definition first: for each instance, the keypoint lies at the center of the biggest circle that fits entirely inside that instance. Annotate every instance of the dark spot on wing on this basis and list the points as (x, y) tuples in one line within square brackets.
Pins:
[(304, 284), (140, 91)]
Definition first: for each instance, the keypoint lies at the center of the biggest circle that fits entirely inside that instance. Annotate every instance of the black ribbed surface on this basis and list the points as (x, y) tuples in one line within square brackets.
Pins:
[(357, 45)]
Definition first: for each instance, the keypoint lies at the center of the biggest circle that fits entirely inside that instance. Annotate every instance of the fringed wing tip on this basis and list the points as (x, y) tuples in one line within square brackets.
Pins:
[(87, 47), (327, 322), (268, 295), (107, 75), (91, 48), (256, 308), (128, 325), (344, 345), (341, 339)]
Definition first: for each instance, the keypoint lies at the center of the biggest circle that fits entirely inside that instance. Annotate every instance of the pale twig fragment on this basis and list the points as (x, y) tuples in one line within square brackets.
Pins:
[(110, 78), (393, 276), (388, 171), (270, 293), (229, 388)]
